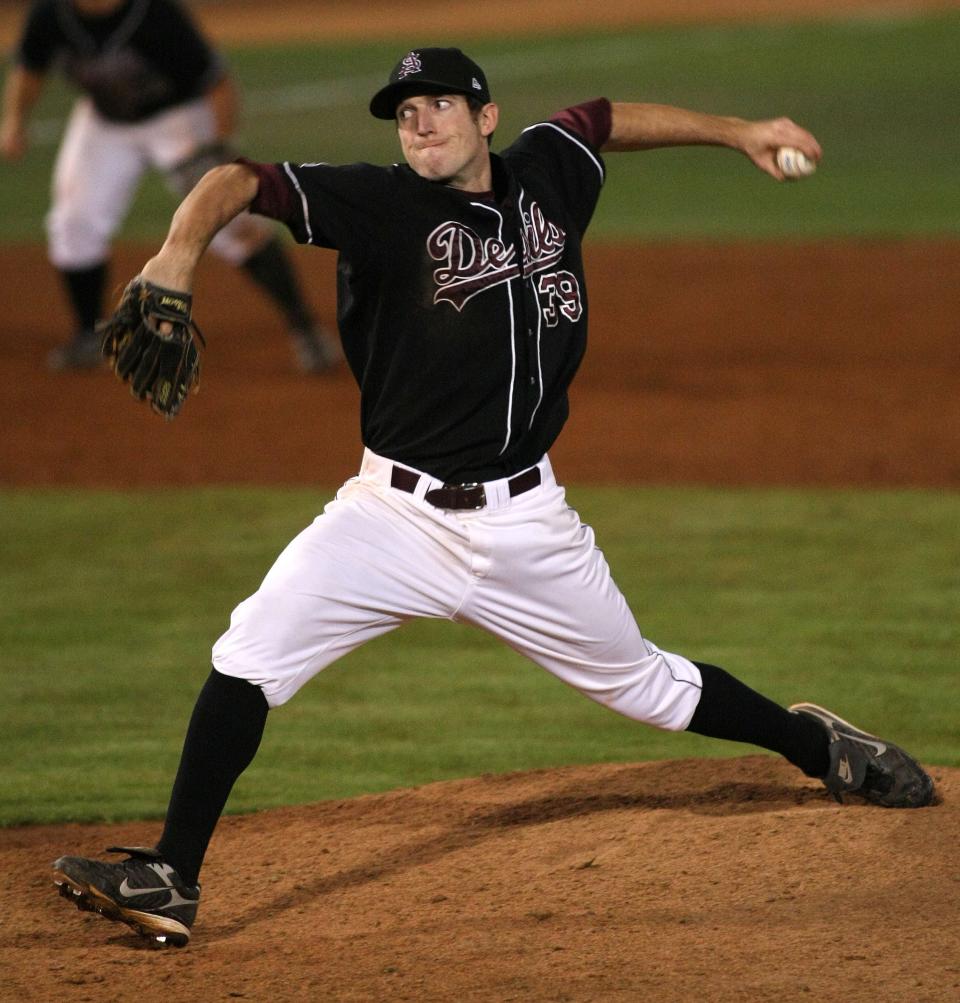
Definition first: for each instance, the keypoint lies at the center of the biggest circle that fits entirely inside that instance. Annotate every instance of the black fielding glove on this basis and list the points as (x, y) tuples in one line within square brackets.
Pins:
[(152, 344)]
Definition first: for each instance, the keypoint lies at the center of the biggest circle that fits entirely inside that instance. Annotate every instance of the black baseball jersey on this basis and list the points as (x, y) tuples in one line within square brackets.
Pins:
[(141, 59), (463, 317)]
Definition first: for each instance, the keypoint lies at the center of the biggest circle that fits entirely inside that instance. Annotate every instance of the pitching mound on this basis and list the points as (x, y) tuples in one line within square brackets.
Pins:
[(709, 879)]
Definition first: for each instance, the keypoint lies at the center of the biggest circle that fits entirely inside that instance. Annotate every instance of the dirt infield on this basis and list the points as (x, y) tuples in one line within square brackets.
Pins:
[(241, 20), (731, 880), (253, 21), (806, 364)]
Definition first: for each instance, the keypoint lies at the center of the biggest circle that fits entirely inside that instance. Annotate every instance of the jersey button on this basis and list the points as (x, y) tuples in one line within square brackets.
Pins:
[(533, 381)]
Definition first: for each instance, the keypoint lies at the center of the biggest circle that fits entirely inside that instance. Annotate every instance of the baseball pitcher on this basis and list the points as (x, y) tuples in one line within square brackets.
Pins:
[(463, 314)]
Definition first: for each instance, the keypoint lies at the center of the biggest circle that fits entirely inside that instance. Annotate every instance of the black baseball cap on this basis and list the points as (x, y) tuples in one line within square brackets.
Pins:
[(430, 71)]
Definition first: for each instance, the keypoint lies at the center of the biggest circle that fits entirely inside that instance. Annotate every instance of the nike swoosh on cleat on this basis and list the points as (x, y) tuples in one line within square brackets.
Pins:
[(175, 897), (879, 746)]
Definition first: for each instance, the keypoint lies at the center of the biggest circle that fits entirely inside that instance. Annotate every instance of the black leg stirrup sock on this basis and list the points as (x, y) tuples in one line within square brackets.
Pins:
[(729, 709), (222, 739), (85, 291), (271, 269)]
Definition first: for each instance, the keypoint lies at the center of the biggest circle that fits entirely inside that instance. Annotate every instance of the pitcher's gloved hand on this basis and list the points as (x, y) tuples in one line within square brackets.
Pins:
[(152, 344)]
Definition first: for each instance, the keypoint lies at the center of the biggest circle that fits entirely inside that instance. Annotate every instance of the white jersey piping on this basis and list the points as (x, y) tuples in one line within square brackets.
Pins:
[(513, 331), (303, 201), (536, 299), (574, 140)]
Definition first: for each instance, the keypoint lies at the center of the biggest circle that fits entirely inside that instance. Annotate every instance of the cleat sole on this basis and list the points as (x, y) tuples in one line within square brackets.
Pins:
[(159, 931)]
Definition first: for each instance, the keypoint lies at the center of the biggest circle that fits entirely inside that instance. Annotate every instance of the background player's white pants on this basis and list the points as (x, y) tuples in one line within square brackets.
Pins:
[(98, 168), (525, 569)]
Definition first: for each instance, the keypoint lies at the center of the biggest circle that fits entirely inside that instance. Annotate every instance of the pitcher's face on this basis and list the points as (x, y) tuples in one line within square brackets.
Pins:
[(444, 140)]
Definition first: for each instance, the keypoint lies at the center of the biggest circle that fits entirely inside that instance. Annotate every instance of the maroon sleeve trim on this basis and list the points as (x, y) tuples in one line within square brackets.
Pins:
[(275, 197), (590, 120)]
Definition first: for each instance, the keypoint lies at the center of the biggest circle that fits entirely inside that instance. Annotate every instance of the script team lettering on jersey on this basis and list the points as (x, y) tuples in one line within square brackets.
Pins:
[(472, 264)]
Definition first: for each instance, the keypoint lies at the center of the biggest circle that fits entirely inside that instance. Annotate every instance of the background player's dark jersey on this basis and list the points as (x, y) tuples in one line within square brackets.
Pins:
[(432, 279), (143, 58)]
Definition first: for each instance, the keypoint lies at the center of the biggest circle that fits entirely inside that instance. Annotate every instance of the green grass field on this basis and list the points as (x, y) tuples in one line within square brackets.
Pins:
[(880, 94), (110, 603)]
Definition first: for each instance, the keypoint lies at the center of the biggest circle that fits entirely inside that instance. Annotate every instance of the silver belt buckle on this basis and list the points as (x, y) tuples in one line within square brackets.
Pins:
[(483, 493)]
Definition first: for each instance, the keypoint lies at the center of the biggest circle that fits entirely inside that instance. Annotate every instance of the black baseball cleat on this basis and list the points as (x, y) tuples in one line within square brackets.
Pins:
[(82, 352), (142, 891), (870, 767)]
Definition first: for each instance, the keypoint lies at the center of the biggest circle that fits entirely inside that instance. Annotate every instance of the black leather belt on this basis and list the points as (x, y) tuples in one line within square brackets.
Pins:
[(461, 495)]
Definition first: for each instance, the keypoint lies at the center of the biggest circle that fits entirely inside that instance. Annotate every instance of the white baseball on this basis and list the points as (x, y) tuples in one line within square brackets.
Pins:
[(793, 163)]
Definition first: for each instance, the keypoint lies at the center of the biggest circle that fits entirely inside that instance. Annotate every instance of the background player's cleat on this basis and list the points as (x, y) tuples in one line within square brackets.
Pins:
[(870, 767), (317, 350), (142, 891), (82, 352)]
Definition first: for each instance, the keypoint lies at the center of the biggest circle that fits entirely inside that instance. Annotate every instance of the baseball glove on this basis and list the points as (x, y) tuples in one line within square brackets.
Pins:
[(152, 344)]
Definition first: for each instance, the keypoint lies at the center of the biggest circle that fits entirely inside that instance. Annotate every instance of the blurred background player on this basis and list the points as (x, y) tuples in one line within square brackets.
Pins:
[(153, 94)]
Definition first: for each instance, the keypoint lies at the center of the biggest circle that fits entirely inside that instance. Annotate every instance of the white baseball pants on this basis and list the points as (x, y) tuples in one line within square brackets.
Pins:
[(526, 569), (99, 166)]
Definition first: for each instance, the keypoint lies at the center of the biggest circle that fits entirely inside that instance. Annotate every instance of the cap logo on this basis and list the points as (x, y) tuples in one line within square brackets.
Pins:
[(476, 84), (410, 64)]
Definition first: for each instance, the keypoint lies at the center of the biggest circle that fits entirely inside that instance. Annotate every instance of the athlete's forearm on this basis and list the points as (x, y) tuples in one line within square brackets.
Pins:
[(220, 195), (650, 126), (20, 93)]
